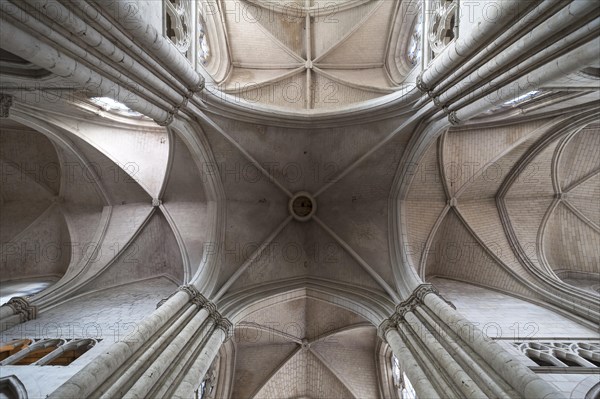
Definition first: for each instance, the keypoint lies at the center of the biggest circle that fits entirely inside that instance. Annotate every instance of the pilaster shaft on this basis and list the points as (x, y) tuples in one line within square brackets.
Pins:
[(526, 383), (413, 369), (86, 382), (200, 366), (448, 357)]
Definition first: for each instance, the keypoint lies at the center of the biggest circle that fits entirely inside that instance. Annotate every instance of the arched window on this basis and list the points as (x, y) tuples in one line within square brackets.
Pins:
[(67, 354), (23, 288), (177, 24), (206, 390), (414, 44), (110, 105), (442, 25), (562, 354), (401, 381), (45, 352), (523, 98), (201, 392), (10, 348), (189, 35), (33, 353), (203, 47), (589, 352)]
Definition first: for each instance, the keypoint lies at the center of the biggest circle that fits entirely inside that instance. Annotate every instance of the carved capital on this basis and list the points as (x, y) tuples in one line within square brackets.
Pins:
[(186, 288), (386, 325), (201, 301), (23, 308), (415, 299), (211, 308), (423, 290), (407, 306), (190, 290), (224, 324), (421, 85), (453, 118), (167, 121), (6, 101), (200, 86)]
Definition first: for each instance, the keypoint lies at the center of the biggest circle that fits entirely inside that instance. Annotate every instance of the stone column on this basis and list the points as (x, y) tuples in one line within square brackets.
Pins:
[(515, 373), (86, 382), (169, 354), (571, 62), (29, 47), (465, 45), (421, 382), (192, 379), (463, 381), (444, 355), (17, 310)]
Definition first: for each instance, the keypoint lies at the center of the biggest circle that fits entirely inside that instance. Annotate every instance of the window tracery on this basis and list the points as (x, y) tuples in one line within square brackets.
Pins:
[(110, 105), (442, 25), (521, 100), (207, 386), (186, 27), (561, 354), (203, 53), (414, 45), (177, 24), (44, 352), (401, 381), (10, 348)]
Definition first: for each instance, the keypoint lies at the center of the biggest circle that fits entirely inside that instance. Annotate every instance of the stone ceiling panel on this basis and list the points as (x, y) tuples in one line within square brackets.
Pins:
[(367, 42), (585, 198), (581, 156), (350, 354)]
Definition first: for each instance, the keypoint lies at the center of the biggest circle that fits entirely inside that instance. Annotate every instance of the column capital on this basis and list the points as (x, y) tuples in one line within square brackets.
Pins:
[(391, 323), (213, 313), (424, 289), (190, 290), (405, 307), (453, 118), (167, 121), (201, 301), (227, 326), (198, 86), (415, 299), (193, 293), (421, 85), (21, 306), (6, 101)]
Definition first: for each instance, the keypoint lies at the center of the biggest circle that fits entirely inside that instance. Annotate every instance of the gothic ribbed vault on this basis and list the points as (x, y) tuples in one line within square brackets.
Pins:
[(258, 199)]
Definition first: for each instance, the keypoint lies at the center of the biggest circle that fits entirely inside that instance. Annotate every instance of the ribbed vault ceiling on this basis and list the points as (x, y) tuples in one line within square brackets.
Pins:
[(305, 348), (309, 55), (492, 202), (499, 200)]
